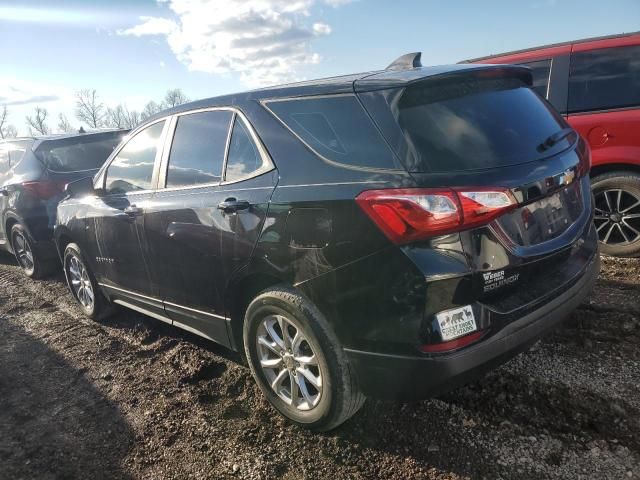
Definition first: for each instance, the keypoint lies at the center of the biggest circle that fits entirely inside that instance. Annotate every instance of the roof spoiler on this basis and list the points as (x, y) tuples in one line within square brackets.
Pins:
[(406, 62)]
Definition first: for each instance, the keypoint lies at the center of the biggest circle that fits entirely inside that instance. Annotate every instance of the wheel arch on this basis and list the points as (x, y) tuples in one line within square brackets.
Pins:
[(239, 295), (11, 219), (62, 237), (613, 167)]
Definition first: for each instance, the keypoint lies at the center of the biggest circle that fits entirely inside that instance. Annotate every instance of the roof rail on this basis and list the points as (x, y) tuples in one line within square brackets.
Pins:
[(406, 62), (550, 45)]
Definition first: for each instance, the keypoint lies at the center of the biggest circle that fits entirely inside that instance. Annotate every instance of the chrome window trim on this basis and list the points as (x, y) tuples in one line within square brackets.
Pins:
[(265, 105), (101, 177), (546, 95), (267, 162)]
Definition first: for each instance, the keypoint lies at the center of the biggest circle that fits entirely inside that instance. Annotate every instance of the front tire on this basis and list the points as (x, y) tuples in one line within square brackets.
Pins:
[(83, 285), (298, 362), (617, 213)]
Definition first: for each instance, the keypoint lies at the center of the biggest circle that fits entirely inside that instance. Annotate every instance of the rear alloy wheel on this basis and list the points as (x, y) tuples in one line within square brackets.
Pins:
[(617, 213), (83, 285), (297, 360), (289, 362), (24, 251)]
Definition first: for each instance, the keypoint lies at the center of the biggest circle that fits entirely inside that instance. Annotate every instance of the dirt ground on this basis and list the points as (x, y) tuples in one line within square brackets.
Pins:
[(134, 398)]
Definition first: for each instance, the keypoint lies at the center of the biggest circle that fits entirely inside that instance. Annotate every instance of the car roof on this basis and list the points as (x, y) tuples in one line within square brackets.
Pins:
[(554, 45), (359, 82), (60, 136)]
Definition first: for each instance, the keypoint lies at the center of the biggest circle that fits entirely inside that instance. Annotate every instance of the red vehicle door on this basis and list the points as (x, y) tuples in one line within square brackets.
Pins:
[(603, 103)]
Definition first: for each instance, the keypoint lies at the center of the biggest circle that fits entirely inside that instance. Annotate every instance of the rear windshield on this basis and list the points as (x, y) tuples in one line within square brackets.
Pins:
[(476, 123), (79, 153)]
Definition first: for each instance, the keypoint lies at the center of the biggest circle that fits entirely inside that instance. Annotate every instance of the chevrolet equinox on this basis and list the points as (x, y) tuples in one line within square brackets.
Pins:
[(389, 234)]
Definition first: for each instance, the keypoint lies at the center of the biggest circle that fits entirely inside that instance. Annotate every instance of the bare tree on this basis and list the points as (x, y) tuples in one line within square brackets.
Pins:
[(10, 132), (89, 109), (38, 123), (6, 130), (3, 120), (133, 118), (64, 125), (174, 98), (150, 109), (116, 117)]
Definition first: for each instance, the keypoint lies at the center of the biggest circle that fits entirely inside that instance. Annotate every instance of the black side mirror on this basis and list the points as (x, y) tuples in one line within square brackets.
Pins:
[(81, 187)]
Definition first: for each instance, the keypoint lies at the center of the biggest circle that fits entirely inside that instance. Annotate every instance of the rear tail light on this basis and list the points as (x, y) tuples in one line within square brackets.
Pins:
[(44, 190), (584, 154), (407, 215)]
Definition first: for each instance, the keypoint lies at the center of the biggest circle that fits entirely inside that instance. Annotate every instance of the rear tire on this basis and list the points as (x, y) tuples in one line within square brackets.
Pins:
[(26, 255), (617, 213), (83, 285), (313, 384)]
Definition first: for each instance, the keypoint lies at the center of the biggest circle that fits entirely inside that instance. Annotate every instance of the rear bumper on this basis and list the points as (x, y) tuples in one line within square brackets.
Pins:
[(415, 377)]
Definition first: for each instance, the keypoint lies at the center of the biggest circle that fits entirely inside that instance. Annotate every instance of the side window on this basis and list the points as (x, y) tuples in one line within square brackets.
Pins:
[(540, 71), (605, 78), (244, 156), (337, 128), (132, 169), (197, 151)]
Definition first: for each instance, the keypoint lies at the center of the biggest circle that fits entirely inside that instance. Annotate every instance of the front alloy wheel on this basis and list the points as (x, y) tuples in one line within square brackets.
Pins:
[(289, 362), (80, 282), (83, 285)]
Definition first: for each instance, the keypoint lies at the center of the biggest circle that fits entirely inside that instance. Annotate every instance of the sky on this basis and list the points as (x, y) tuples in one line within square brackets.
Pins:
[(134, 51)]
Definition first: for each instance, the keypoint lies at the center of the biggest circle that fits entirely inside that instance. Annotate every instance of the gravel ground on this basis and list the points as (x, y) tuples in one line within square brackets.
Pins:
[(134, 398)]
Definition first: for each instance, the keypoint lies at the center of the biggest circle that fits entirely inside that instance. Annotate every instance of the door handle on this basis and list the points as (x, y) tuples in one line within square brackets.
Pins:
[(133, 211), (231, 205)]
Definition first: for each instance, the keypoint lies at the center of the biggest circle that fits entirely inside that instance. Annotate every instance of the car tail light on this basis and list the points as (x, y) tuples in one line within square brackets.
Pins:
[(584, 154), (407, 215), (44, 190)]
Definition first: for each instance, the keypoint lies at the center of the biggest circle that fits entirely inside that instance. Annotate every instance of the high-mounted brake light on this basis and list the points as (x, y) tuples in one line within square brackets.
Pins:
[(411, 214)]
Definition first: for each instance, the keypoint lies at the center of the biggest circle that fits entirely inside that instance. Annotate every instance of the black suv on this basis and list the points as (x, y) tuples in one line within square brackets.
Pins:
[(33, 174), (386, 234)]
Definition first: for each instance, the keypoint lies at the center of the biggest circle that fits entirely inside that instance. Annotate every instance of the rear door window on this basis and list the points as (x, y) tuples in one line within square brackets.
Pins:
[(474, 122), (337, 128), (604, 79), (244, 157), (198, 148), (541, 70), (132, 169)]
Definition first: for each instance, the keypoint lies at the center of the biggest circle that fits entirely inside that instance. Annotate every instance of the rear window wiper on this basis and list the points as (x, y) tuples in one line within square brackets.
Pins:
[(555, 138)]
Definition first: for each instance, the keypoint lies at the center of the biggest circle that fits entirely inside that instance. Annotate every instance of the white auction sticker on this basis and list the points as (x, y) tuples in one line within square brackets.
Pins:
[(456, 322)]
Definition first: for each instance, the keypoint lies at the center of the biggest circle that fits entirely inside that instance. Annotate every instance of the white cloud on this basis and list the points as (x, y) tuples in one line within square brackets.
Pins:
[(321, 28), (264, 41), (151, 26), (337, 3)]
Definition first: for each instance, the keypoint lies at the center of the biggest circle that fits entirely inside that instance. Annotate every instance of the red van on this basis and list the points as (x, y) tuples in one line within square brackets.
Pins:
[(595, 84)]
